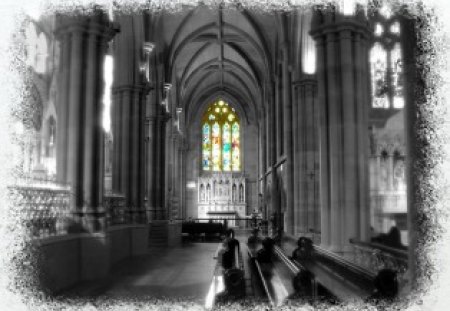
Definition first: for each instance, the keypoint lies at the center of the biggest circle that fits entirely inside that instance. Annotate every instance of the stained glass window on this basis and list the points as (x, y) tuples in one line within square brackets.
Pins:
[(221, 138), (226, 151), (386, 62), (206, 147), (235, 146), (379, 83), (397, 79), (216, 146)]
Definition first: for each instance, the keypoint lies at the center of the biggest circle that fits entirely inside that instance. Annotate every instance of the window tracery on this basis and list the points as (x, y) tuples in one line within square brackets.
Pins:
[(386, 62), (221, 138)]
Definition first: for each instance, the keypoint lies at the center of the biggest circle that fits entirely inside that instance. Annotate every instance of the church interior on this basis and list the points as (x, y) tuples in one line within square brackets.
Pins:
[(221, 152)]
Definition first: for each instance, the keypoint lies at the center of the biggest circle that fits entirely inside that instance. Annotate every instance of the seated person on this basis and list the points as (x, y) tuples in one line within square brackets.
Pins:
[(228, 256), (303, 286), (386, 286), (232, 242), (234, 286), (391, 239), (265, 253), (304, 249)]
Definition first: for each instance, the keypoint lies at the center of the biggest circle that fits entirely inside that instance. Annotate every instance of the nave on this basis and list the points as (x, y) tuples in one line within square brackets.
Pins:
[(195, 272), (297, 122)]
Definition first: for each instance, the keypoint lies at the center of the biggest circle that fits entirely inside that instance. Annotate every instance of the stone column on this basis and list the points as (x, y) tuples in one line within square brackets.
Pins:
[(306, 152), (344, 81), (414, 93), (129, 102), (151, 146), (80, 156), (288, 142), (160, 164), (62, 107)]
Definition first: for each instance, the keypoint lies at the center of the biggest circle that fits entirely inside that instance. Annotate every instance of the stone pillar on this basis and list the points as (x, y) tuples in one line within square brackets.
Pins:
[(80, 137), (306, 152), (129, 107), (344, 81), (160, 163), (151, 145), (287, 137), (414, 93), (62, 107), (262, 147)]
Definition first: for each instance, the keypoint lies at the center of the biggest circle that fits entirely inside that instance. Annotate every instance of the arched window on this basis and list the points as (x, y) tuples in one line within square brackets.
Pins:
[(221, 138), (386, 62), (36, 48)]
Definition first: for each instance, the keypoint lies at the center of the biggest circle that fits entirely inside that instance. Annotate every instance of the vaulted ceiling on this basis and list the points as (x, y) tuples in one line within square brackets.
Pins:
[(217, 50)]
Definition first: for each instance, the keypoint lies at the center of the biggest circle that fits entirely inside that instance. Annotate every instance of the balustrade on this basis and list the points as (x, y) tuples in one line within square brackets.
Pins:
[(375, 257), (44, 209)]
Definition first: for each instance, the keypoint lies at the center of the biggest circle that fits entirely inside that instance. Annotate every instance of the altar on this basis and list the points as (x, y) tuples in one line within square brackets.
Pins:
[(222, 196)]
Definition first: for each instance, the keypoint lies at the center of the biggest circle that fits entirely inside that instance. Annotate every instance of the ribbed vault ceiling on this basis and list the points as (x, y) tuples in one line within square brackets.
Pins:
[(217, 50)]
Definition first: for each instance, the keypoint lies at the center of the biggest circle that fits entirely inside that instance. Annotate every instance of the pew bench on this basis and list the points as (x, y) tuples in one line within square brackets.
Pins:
[(342, 278), (334, 279), (275, 279), (226, 284)]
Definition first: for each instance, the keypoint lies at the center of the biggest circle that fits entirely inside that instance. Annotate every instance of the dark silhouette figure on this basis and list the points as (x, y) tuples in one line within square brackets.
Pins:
[(303, 286), (228, 256), (391, 239), (265, 253), (304, 249), (232, 242), (386, 286)]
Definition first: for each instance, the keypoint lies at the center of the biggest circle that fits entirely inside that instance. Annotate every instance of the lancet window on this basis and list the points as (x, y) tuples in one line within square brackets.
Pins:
[(221, 138), (386, 63)]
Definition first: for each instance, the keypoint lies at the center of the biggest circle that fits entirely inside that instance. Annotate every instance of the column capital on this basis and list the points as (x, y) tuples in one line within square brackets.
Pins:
[(345, 27), (98, 25)]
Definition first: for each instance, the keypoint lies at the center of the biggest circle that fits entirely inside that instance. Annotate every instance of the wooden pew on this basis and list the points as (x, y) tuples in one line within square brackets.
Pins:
[(333, 277), (342, 278), (252, 253), (275, 276), (227, 284)]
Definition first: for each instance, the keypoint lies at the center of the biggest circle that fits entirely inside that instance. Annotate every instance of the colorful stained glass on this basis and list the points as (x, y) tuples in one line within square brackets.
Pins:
[(216, 150), (397, 80), (221, 138), (235, 147), (206, 148), (226, 148), (378, 66)]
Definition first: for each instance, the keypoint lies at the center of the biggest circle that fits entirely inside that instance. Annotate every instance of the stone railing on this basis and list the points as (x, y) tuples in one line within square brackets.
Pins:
[(115, 209), (375, 256), (42, 208)]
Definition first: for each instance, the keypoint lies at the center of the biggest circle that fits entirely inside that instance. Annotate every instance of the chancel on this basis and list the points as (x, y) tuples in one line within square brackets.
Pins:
[(156, 132)]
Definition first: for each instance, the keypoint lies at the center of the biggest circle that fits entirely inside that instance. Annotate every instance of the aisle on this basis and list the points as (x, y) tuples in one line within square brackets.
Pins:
[(183, 272)]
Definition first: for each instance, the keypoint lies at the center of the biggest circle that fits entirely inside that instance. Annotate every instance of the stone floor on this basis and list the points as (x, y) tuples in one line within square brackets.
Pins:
[(183, 272)]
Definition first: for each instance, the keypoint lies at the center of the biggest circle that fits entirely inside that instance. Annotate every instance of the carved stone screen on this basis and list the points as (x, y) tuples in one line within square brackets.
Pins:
[(222, 195)]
